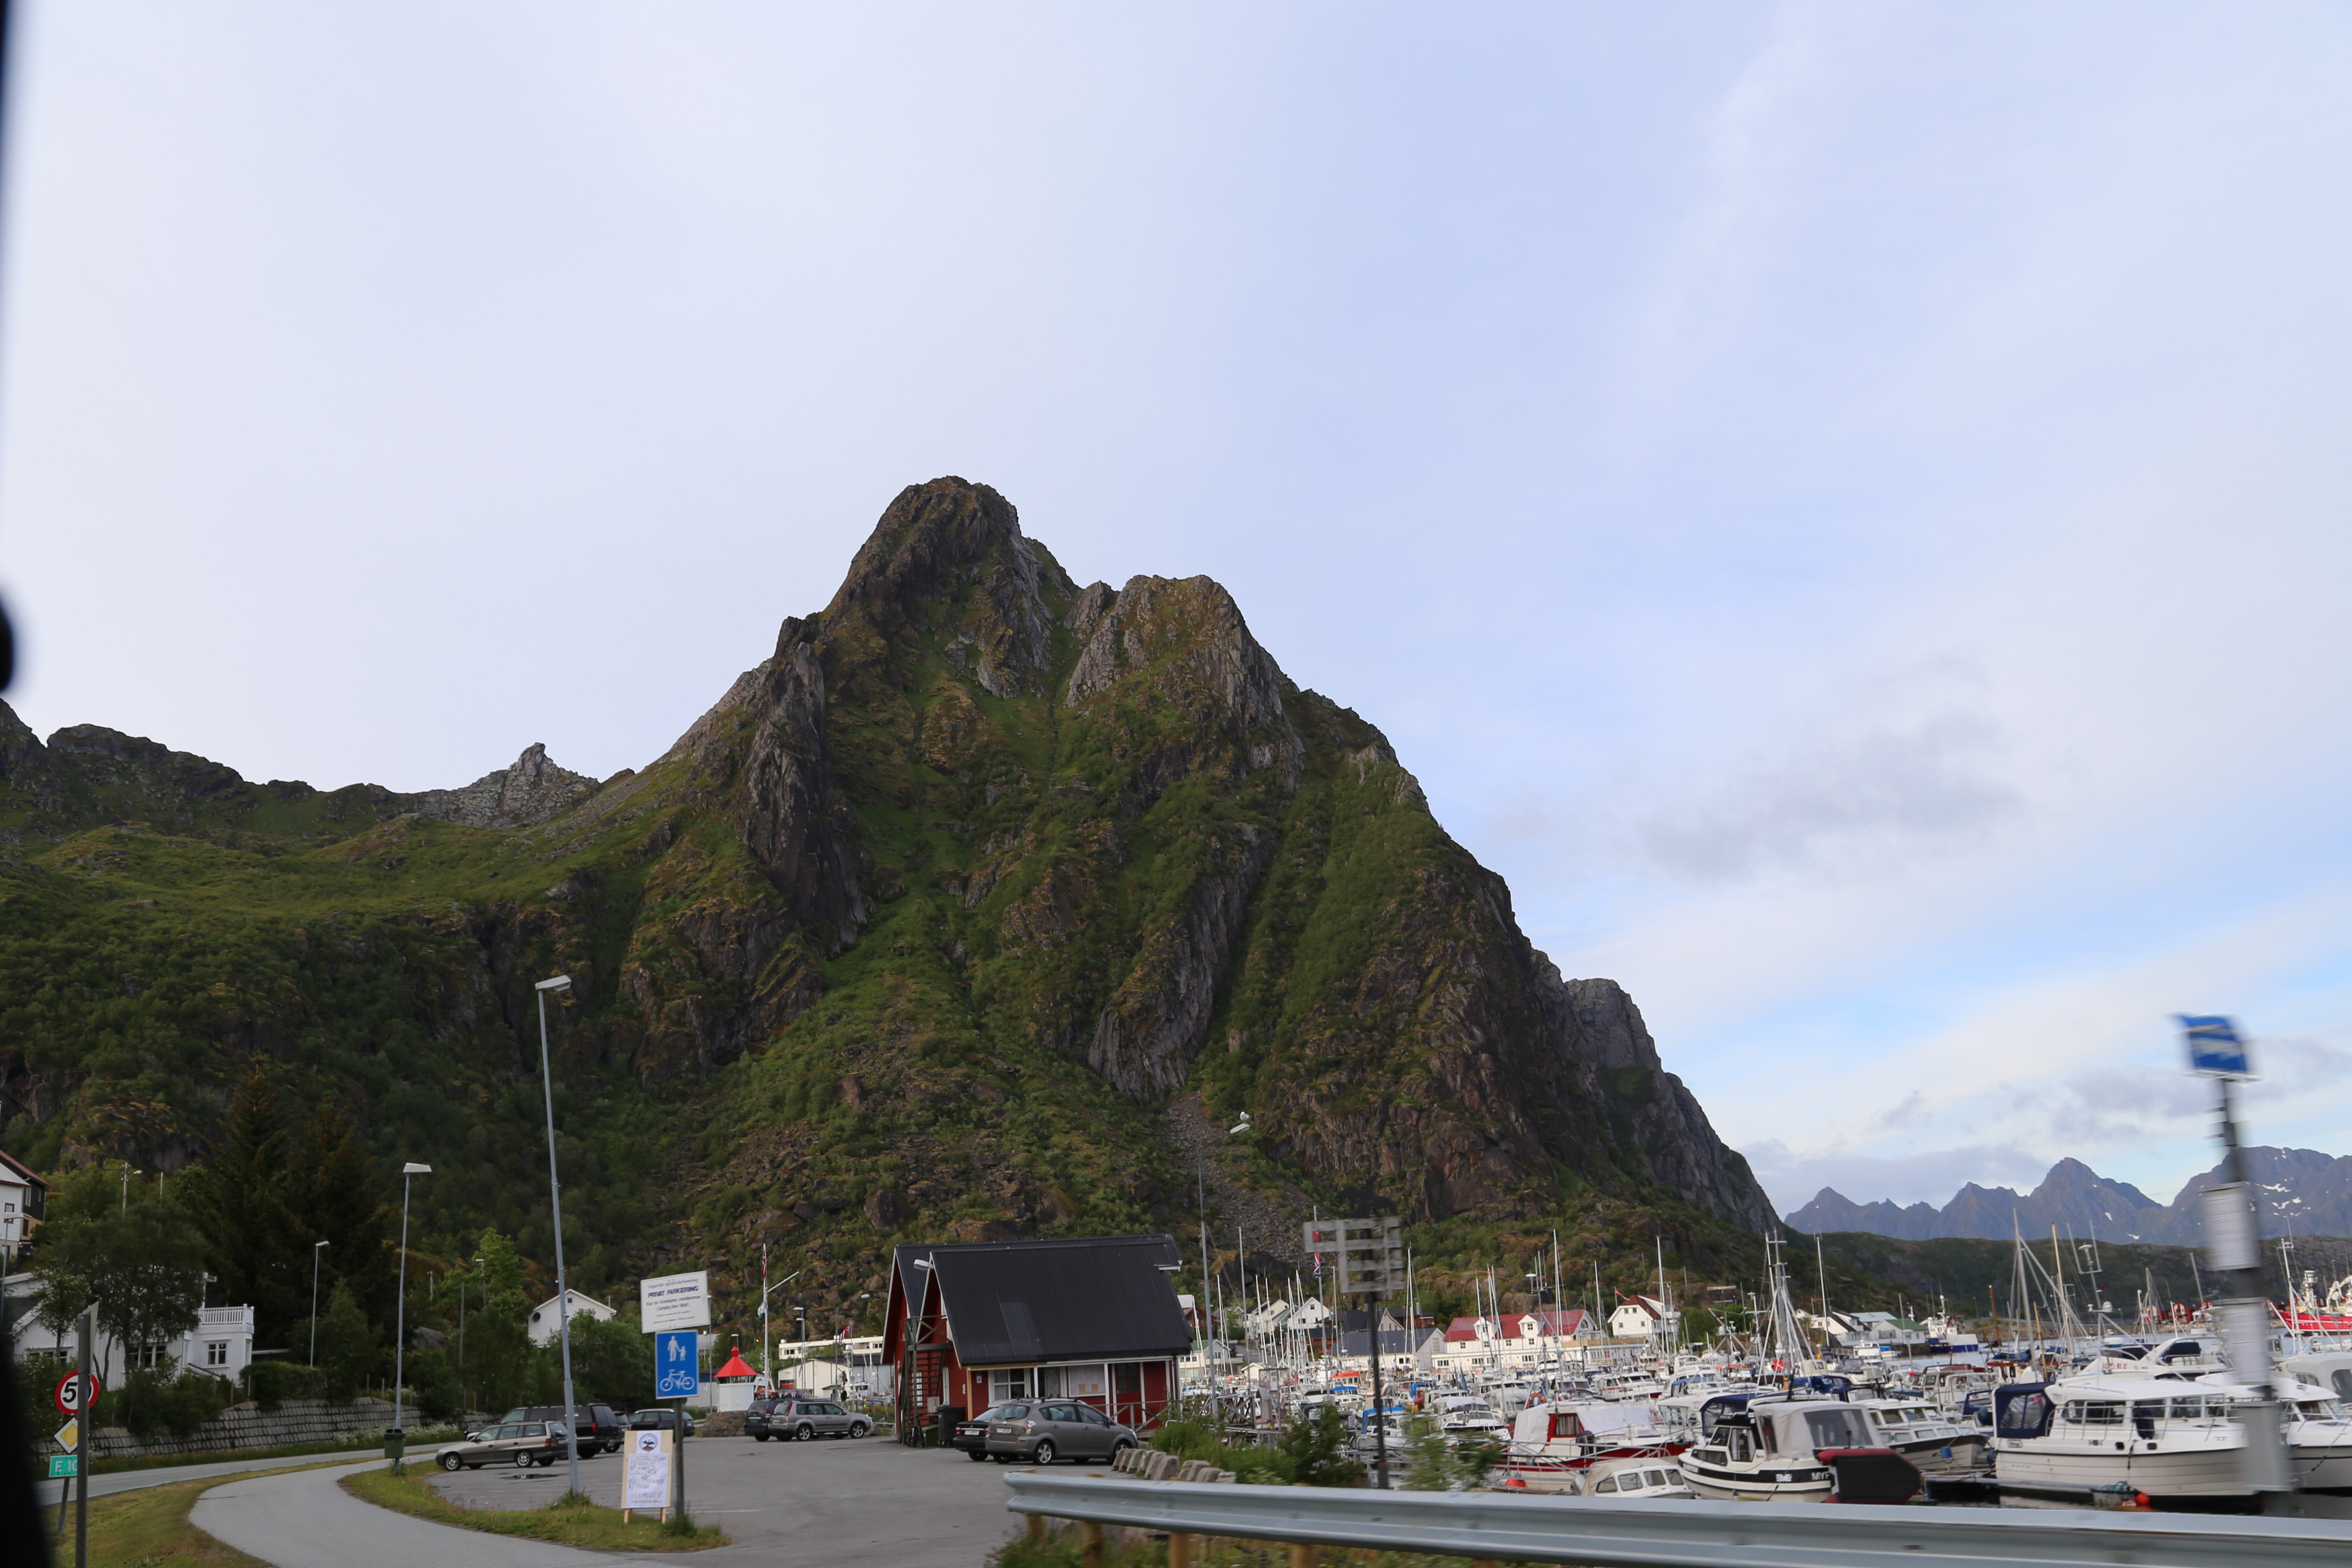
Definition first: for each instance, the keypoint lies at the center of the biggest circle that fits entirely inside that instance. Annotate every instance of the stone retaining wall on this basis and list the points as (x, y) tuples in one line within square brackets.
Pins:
[(294, 1423)]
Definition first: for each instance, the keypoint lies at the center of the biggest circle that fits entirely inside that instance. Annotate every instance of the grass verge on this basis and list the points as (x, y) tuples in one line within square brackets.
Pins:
[(571, 1521)]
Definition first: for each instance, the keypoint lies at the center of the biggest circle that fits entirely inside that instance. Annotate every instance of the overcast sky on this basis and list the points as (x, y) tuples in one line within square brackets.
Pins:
[(1846, 506)]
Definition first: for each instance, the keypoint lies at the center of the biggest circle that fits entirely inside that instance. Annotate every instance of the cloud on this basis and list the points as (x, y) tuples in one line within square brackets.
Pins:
[(1834, 803)]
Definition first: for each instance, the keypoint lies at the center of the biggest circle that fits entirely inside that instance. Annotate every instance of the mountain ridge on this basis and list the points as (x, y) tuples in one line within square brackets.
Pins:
[(2304, 1191), (915, 931)]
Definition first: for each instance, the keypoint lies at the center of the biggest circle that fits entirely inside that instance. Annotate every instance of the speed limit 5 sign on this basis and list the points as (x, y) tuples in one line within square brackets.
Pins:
[(69, 1394)]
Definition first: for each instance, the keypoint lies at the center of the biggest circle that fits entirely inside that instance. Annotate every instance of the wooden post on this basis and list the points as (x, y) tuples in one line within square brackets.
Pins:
[(1482, 1562), (1092, 1554), (1179, 1549), (1302, 1554), (1037, 1529)]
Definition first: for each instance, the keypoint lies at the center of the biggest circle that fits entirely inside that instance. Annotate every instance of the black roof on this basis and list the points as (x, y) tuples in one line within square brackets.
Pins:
[(1014, 1303), (1393, 1341)]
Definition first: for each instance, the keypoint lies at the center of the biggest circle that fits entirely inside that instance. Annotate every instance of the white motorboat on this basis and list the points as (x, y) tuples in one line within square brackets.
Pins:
[(1769, 1451), (1647, 1476), (2318, 1434), (2163, 1437), (1924, 1435), (1553, 1444)]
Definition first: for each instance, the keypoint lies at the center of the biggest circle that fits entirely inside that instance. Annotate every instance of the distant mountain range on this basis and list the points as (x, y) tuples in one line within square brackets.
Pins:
[(2305, 1193)]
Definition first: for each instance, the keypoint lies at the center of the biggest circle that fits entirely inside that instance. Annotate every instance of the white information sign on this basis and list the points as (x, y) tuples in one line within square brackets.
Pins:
[(674, 1301), (645, 1479)]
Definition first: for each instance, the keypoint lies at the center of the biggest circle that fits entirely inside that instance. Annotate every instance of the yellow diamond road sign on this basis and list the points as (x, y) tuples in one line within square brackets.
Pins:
[(68, 1434)]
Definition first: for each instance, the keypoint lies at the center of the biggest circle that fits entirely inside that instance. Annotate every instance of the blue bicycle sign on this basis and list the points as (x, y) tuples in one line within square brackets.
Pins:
[(677, 1366)]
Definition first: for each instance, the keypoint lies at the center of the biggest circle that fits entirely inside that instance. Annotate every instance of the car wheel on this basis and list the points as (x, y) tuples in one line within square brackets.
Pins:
[(1122, 1447), (759, 1436), (522, 1459), (1045, 1454), (804, 1433), (452, 1463), (975, 1455), (860, 1429)]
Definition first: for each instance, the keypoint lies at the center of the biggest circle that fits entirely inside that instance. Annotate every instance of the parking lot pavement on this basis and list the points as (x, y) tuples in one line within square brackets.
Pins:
[(820, 1502)]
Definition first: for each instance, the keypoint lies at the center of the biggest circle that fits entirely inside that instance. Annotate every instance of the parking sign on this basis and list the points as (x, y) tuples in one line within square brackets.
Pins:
[(677, 1366)]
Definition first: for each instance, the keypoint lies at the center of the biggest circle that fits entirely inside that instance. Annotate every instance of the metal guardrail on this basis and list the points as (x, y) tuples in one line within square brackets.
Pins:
[(1656, 1533)]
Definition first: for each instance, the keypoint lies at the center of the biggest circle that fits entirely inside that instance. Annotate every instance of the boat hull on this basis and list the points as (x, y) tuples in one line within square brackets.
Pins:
[(2035, 1466), (1717, 1483)]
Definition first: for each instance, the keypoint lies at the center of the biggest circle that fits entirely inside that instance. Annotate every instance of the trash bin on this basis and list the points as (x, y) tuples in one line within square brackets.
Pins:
[(395, 1442), (950, 1417)]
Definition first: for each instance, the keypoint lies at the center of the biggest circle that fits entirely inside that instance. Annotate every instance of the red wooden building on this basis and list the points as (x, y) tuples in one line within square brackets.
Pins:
[(1093, 1318)]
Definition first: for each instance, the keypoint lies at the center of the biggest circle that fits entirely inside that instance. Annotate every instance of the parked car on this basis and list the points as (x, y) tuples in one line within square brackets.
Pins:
[(800, 1418), (600, 1430), (1040, 1431), (662, 1420), (972, 1435), (519, 1443)]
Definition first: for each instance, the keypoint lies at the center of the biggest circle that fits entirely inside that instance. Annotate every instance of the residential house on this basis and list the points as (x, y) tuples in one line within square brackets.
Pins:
[(1093, 1320), (545, 1325), (24, 1196), (1515, 1343)]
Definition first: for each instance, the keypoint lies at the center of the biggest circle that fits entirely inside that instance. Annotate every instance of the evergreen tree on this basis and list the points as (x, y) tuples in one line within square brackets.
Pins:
[(238, 1195), (499, 1357), (332, 1194), (348, 1355)]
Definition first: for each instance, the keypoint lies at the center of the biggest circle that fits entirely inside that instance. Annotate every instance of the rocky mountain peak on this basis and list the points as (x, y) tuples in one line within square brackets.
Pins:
[(522, 794)]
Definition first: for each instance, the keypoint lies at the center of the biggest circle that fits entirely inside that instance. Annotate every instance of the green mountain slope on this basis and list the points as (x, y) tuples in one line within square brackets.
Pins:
[(976, 909)]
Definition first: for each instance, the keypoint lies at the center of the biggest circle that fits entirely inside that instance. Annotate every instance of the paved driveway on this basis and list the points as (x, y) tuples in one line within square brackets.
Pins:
[(825, 1503)]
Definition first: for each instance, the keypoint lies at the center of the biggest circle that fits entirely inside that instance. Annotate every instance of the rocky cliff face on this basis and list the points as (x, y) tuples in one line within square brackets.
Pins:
[(943, 902)]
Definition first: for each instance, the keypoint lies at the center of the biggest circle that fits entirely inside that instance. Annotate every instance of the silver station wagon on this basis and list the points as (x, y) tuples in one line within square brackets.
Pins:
[(519, 1443), (1040, 1431)]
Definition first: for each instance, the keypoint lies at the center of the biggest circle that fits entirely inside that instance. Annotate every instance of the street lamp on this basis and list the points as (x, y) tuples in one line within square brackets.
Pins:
[(767, 1339), (400, 1310), (127, 1173), (555, 1202), (314, 1301)]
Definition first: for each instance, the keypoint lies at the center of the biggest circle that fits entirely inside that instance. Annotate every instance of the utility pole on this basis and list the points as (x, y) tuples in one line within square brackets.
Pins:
[(563, 1283)]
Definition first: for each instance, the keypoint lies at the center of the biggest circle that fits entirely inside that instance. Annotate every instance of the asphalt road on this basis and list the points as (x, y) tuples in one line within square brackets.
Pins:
[(783, 1503)]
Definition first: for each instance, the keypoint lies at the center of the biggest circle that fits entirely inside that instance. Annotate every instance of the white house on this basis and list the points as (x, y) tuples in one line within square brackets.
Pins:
[(1640, 1317), (220, 1343), (1515, 1343), (23, 1195), (545, 1325)]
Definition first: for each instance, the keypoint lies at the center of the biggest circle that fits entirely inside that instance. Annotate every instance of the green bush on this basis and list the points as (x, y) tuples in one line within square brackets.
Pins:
[(270, 1383), (1317, 1451), (1255, 1466), (153, 1401)]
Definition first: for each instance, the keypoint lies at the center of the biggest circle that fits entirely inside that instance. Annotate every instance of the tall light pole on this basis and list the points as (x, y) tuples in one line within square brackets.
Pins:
[(127, 1173), (555, 1202), (314, 1302), (400, 1310), (767, 1339)]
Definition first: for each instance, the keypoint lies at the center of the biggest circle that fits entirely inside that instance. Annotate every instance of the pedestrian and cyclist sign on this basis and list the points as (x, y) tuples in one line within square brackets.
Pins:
[(677, 1364)]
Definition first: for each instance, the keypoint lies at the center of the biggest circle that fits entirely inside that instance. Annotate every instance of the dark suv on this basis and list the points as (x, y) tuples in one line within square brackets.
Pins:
[(600, 1430), (802, 1417)]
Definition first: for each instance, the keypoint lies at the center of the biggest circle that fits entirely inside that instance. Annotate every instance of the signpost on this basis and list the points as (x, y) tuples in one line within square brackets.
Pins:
[(672, 1309), (2217, 1052), (1370, 1258)]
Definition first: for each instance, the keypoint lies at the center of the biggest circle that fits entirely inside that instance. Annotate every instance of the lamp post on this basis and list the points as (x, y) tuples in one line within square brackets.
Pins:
[(767, 1339), (400, 1316), (127, 1173), (314, 1302), (555, 1202)]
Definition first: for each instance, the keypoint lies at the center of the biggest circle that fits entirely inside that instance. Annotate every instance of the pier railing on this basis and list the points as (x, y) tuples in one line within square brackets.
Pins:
[(1491, 1527)]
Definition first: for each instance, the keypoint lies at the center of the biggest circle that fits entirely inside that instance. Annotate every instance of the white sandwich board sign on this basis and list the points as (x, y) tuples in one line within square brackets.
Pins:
[(674, 1301)]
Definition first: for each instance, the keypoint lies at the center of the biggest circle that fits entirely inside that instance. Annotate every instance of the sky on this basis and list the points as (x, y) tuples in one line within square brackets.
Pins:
[(1845, 505)]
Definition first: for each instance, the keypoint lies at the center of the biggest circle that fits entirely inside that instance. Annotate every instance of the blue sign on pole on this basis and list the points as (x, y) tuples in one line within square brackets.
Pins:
[(2214, 1046), (677, 1366)]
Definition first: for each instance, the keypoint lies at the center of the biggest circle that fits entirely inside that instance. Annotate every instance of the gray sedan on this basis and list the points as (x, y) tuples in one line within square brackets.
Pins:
[(1039, 1431)]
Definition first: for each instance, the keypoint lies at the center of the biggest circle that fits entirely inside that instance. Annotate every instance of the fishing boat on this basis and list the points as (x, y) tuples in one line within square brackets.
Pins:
[(1631, 1476), (2318, 1434)]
